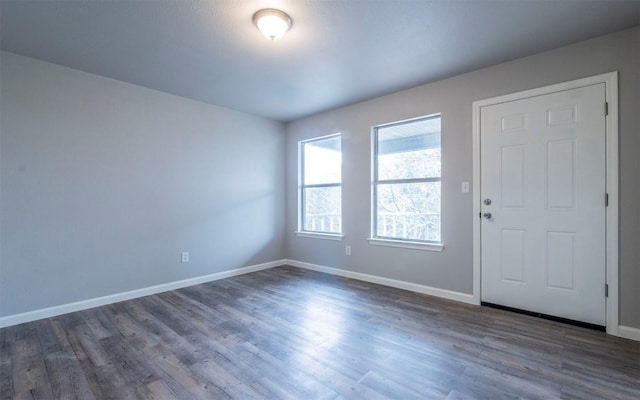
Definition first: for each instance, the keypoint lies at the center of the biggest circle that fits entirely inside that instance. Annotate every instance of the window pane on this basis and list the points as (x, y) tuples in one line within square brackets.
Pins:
[(323, 209), (424, 163), (410, 150), (409, 211), (323, 161)]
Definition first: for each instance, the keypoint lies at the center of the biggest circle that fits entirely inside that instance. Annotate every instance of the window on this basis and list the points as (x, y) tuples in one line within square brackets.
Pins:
[(406, 182), (321, 185)]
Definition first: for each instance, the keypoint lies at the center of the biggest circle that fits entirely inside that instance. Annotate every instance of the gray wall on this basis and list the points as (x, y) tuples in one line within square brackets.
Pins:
[(452, 269), (103, 184)]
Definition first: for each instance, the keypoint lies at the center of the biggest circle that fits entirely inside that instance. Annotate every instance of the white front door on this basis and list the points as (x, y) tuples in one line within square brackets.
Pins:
[(543, 182)]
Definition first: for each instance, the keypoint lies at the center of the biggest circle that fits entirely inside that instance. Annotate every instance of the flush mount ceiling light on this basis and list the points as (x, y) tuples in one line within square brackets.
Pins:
[(272, 23)]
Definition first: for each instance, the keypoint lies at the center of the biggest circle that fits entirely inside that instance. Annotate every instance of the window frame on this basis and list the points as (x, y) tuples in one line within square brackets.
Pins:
[(302, 232), (375, 239)]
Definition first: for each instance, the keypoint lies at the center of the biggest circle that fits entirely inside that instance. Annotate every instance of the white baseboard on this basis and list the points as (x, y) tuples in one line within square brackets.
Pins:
[(628, 332), (622, 331), (132, 294), (414, 287)]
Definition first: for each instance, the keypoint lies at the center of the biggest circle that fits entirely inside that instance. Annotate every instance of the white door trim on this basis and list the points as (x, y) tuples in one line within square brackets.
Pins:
[(611, 92)]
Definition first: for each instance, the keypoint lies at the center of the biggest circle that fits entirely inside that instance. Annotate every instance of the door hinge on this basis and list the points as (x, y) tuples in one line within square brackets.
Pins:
[(479, 215), (606, 108), (606, 290), (606, 199)]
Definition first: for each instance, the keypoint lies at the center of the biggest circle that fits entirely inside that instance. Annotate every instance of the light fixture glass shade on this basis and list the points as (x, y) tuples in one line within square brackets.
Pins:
[(272, 23)]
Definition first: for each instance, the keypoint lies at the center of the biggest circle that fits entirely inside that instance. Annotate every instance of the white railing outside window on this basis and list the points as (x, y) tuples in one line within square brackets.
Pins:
[(424, 227), (324, 222)]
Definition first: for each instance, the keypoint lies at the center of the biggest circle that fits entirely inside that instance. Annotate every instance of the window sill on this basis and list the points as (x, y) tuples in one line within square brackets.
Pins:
[(318, 235), (407, 244)]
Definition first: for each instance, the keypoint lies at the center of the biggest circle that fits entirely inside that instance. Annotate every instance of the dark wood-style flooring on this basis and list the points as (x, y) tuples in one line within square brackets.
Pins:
[(288, 333)]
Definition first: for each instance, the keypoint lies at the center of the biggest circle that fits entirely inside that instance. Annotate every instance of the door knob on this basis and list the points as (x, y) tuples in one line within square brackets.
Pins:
[(487, 215), (487, 202)]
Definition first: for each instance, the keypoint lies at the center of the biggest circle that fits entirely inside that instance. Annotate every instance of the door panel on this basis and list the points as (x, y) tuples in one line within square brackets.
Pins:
[(560, 184), (543, 168), (512, 257), (560, 265), (512, 175)]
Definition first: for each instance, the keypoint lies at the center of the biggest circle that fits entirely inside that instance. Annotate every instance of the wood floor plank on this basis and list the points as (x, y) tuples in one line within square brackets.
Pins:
[(158, 390), (30, 371), (289, 333), (496, 383), (387, 386), (66, 376), (180, 380), (6, 379), (134, 368), (185, 351)]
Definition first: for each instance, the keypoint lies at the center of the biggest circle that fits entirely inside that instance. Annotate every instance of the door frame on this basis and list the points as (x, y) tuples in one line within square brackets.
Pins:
[(611, 126)]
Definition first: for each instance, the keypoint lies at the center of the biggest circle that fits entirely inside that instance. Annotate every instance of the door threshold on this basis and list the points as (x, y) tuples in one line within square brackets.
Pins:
[(547, 317)]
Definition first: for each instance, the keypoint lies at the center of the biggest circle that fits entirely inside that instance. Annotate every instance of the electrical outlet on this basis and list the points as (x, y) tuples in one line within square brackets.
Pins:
[(347, 250), (185, 257)]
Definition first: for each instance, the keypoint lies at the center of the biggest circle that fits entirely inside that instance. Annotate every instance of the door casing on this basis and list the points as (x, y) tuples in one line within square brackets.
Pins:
[(611, 126)]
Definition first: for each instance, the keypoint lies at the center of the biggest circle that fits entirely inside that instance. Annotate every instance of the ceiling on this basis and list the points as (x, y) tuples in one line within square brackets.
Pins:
[(337, 52)]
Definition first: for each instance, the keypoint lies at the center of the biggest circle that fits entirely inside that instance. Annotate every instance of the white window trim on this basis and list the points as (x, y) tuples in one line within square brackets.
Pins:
[(314, 234), (391, 242), (319, 235), (407, 244)]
